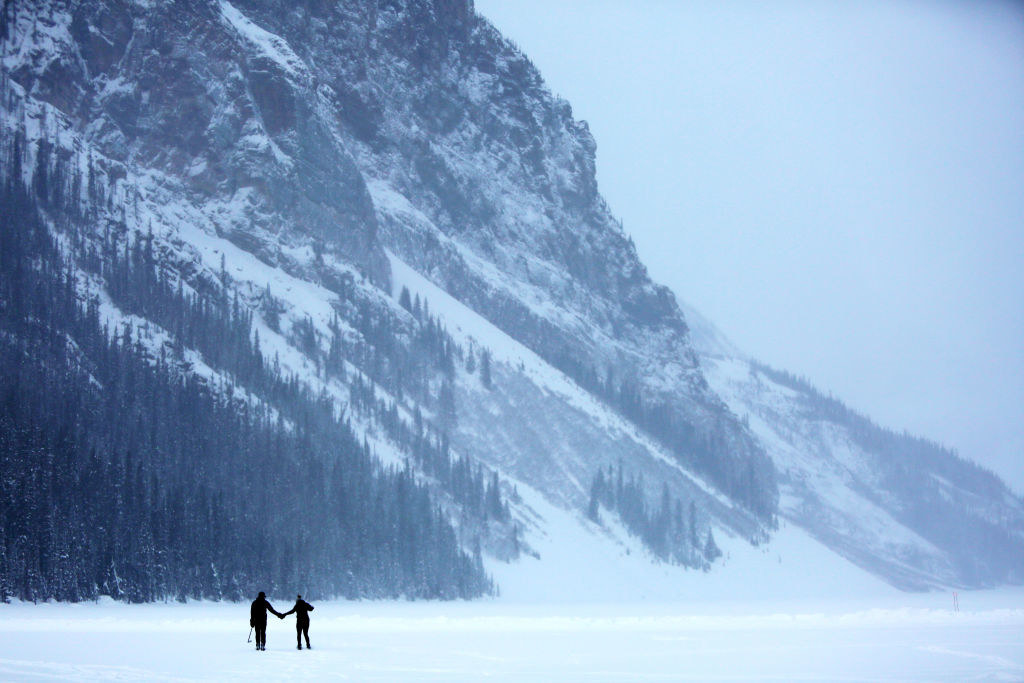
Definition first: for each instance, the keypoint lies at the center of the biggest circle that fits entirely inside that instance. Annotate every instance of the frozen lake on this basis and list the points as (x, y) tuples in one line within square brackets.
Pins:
[(907, 637)]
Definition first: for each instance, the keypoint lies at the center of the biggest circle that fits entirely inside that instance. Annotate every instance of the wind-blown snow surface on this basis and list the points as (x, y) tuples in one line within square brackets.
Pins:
[(754, 618), (899, 638)]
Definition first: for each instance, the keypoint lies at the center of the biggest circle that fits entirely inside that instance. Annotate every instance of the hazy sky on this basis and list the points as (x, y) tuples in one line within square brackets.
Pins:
[(839, 186)]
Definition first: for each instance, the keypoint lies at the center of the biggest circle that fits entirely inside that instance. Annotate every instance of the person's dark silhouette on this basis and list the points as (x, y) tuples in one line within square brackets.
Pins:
[(302, 610), (258, 618)]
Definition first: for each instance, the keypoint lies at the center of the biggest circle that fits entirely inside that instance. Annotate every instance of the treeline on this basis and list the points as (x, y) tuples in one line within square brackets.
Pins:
[(416, 360), (905, 453), (416, 363), (470, 484), (669, 529), (221, 330), (124, 474), (739, 470), (950, 501)]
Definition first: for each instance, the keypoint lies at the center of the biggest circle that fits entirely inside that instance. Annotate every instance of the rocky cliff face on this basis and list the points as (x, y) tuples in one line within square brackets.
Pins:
[(197, 93), (316, 158)]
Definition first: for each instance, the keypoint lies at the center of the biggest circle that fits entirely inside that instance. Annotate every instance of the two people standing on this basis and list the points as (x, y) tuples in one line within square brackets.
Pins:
[(258, 619)]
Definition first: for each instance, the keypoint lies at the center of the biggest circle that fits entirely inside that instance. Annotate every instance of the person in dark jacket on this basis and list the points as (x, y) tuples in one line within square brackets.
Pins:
[(302, 610), (258, 618)]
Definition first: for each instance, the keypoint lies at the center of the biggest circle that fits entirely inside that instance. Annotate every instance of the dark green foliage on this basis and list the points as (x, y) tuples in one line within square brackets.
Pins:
[(123, 474), (742, 472), (429, 449), (417, 362), (662, 528), (446, 406), (711, 551), (485, 368), (406, 359)]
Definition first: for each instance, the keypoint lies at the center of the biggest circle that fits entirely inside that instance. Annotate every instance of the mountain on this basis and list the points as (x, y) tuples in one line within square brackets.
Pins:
[(901, 506), (378, 215)]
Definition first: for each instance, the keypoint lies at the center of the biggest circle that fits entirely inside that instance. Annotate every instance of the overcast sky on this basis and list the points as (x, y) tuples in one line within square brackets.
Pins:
[(839, 186)]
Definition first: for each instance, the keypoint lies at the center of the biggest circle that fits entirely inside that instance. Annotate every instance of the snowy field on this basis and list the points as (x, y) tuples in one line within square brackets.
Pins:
[(788, 611), (902, 638)]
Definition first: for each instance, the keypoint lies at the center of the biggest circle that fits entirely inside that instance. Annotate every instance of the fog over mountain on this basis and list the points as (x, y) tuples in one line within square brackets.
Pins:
[(335, 284), (836, 186)]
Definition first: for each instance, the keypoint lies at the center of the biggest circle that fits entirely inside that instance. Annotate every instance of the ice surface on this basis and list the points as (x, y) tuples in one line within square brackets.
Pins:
[(900, 638)]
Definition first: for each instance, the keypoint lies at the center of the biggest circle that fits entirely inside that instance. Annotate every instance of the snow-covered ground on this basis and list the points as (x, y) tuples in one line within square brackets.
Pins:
[(592, 607), (915, 637)]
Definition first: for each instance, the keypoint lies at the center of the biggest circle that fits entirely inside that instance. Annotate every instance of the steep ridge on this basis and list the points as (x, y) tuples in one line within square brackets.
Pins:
[(900, 506), (445, 117), (257, 124), (398, 200)]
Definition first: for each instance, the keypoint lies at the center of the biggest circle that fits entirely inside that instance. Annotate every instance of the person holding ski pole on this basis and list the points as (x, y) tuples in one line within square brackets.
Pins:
[(302, 610), (258, 618)]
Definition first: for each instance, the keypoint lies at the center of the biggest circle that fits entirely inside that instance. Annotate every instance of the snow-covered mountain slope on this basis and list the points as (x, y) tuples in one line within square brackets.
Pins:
[(899, 506), (413, 222), (578, 561)]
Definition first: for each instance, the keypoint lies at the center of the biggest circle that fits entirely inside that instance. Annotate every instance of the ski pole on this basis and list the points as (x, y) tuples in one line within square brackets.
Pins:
[(250, 635)]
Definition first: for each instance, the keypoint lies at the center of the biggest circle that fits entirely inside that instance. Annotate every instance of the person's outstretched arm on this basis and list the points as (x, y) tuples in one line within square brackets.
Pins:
[(287, 613)]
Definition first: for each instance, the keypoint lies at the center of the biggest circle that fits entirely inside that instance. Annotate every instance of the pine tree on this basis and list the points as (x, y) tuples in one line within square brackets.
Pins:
[(711, 551), (594, 506), (446, 406), (485, 368)]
